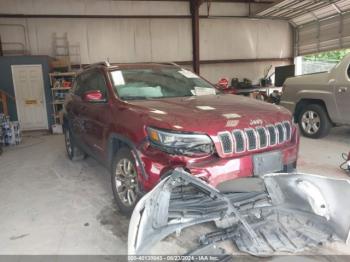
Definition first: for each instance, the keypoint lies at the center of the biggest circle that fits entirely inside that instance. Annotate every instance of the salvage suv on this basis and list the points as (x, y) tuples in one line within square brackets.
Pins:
[(144, 120)]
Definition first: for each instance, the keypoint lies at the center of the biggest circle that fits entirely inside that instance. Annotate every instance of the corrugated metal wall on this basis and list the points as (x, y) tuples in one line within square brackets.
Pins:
[(324, 35), (136, 40)]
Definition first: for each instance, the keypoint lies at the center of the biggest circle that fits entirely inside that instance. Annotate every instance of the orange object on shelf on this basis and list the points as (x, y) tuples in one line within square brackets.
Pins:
[(66, 84)]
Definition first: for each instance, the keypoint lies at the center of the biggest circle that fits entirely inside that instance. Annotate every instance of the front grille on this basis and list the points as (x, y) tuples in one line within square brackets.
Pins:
[(262, 137), (280, 132), (252, 139), (238, 136), (226, 142), (272, 135), (288, 129)]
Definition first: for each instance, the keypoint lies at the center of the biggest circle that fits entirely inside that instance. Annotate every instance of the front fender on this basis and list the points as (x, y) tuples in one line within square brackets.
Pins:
[(114, 136), (327, 96)]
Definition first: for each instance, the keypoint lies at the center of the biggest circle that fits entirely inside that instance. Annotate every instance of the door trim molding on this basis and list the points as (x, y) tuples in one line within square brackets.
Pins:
[(44, 98)]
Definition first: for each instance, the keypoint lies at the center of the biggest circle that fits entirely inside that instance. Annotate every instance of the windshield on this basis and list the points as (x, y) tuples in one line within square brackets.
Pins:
[(139, 84)]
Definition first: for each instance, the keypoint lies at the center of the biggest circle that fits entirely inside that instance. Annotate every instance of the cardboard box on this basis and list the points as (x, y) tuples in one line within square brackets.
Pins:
[(57, 129)]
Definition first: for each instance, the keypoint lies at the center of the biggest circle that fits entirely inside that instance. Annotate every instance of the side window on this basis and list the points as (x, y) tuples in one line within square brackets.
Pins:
[(92, 80), (74, 86), (77, 87), (97, 82)]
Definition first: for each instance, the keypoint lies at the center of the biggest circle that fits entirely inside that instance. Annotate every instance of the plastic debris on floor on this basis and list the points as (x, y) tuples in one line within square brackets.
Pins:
[(10, 132)]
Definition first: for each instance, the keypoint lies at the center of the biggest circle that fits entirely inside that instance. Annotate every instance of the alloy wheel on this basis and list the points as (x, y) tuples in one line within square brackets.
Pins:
[(310, 122), (126, 182)]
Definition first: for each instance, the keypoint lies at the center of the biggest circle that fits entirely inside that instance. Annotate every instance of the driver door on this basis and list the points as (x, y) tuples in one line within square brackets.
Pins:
[(96, 115)]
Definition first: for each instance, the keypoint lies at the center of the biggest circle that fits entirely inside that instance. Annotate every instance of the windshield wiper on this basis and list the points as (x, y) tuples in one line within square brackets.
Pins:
[(134, 97)]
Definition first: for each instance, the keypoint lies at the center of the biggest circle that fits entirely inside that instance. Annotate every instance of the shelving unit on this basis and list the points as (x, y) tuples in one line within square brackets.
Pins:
[(61, 83)]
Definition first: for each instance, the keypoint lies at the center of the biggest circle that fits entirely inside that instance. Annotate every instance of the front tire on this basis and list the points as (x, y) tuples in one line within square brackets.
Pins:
[(314, 121), (73, 152), (126, 189)]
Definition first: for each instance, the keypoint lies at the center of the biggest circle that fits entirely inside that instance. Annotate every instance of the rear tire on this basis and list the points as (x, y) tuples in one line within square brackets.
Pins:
[(125, 185), (73, 152), (314, 121)]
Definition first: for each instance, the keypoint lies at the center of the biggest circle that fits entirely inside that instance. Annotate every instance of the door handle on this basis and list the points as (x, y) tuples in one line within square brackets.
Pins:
[(342, 89), (331, 81)]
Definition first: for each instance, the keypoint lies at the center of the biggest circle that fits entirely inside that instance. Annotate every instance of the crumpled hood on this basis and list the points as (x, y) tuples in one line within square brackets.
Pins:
[(209, 112)]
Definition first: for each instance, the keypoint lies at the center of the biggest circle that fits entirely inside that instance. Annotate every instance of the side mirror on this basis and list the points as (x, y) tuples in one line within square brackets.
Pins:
[(222, 84), (93, 96)]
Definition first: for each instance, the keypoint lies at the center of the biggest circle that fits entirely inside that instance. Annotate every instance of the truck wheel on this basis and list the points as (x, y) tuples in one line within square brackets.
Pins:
[(314, 121), (73, 152), (126, 189)]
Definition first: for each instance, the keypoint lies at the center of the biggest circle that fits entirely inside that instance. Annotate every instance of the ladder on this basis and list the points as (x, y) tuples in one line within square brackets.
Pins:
[(64, 51)]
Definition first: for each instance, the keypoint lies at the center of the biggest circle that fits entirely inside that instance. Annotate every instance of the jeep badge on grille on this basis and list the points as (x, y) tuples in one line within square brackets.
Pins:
[(256, 122)]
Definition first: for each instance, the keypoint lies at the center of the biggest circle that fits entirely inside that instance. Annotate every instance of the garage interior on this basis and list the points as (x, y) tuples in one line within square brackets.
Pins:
[(51, 205)]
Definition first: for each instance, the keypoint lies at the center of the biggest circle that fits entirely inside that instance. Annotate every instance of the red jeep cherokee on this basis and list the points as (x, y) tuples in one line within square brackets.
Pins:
[(143, 120)]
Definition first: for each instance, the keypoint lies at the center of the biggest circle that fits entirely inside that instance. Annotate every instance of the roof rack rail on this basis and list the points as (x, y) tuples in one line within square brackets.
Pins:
[(103, 63)]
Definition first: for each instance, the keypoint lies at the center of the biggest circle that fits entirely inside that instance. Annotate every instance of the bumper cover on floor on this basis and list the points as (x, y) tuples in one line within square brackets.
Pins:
[(295, 212)]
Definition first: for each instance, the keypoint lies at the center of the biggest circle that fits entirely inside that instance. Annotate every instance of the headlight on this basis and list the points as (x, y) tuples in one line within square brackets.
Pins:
[(180, 143)]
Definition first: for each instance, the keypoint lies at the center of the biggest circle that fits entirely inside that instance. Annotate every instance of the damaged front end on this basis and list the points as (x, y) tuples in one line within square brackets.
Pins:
[(262, 216)]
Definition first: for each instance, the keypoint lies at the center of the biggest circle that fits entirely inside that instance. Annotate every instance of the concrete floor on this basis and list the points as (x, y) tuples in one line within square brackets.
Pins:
[(50, 205)]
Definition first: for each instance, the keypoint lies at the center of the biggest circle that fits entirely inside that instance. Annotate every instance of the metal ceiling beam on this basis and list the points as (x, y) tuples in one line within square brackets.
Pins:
[(267, 7), (272, 10), (218, 1), (59, 16), (344, 13), (245, 1), (293, 9), (309, 10), (91, 16), (336, 7), (308, 5), (296, 8)]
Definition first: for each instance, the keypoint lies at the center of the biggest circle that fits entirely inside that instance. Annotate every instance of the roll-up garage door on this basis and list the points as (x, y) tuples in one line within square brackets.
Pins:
[(323, 35)]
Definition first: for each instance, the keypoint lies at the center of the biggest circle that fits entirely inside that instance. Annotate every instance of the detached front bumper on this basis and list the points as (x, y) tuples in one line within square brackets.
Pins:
[(290, 212)]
